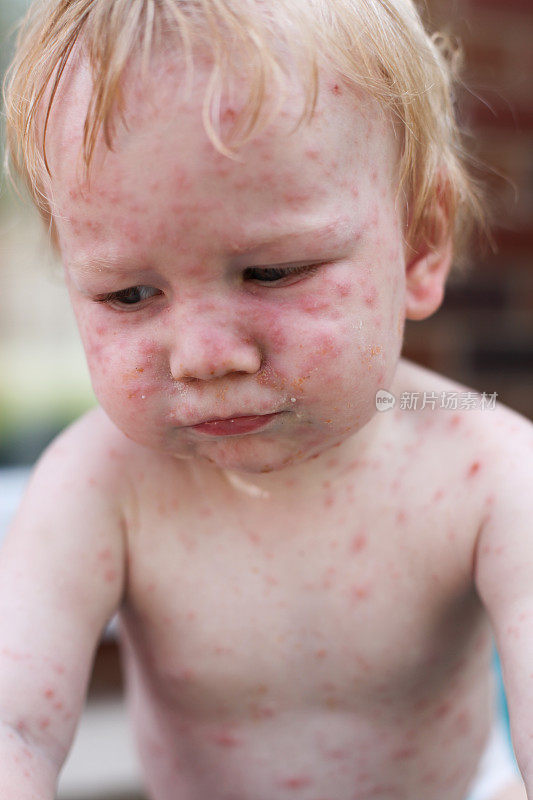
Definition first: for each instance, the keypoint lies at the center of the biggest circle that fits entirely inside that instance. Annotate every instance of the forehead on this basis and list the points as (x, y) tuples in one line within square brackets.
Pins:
[(164, 160)]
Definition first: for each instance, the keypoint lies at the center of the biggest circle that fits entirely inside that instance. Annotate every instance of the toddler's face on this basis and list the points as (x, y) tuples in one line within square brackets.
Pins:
[(205, 288)]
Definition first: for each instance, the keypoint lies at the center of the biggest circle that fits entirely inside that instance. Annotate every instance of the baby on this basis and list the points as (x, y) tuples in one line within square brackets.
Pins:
[(249, 199)]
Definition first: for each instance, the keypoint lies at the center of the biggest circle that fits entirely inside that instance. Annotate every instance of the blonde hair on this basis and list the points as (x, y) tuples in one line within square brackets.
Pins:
[(378, 45)]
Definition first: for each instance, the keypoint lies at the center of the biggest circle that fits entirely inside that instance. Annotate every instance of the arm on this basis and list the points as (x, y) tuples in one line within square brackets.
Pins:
[(504, 577), (61, 579)]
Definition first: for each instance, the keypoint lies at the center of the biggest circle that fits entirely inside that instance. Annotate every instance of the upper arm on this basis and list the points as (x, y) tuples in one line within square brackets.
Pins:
[(504, 576), (61, 578), (504, 553)]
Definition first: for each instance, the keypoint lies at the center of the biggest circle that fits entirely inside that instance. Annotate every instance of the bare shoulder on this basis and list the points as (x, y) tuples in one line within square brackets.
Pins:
[(92, 436), (486, 430), (91, 452), (93, 461), (78, 496)]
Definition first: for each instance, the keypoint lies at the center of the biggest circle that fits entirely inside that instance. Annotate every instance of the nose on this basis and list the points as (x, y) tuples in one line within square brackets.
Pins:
[(206, 350)]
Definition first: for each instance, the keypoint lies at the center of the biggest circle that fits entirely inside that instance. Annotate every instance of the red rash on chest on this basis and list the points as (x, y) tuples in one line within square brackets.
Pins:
[(358, 543), (297, 782), (227, 739), (474, 469), (405, 753), (329, 500), (360, 592)]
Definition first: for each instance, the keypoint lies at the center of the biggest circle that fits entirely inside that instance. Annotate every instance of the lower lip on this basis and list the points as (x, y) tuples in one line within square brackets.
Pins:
[(227, 427)]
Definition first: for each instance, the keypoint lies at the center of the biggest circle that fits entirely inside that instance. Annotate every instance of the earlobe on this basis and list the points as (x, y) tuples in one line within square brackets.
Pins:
[(427, 270)]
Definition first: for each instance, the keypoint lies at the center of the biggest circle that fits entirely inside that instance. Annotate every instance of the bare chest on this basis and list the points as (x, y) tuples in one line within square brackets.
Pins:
[(344, 603)]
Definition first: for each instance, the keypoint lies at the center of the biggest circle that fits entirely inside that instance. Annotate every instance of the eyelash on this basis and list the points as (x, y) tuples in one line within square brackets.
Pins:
[(276, 273)]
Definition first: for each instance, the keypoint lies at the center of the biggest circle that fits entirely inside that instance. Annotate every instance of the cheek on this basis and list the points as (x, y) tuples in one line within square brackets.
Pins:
[(119, 369), (353, 351)]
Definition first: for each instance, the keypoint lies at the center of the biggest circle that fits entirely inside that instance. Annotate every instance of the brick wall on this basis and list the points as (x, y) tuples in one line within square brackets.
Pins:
[(483, 334)]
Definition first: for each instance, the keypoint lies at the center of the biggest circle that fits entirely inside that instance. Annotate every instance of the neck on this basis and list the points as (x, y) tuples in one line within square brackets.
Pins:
[(330, 465)]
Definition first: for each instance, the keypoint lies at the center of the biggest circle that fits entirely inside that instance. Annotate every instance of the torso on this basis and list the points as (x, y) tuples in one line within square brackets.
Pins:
[(324, 647)]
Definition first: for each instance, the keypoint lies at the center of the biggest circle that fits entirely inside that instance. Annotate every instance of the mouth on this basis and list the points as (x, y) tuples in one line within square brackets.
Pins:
[(234, 425)]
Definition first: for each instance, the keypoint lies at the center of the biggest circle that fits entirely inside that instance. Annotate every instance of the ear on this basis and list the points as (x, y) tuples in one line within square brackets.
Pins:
[(428, 267)]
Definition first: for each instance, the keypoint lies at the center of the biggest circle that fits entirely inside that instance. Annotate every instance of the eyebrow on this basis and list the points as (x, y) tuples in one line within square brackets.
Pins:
[(337, 231), (108, 264)]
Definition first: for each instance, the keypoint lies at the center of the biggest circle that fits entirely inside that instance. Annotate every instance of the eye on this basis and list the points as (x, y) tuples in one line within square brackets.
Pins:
[(276, 274), (129, 297)]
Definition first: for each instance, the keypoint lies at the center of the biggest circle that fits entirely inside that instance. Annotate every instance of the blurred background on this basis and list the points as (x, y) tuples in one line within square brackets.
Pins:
[(482, 336)]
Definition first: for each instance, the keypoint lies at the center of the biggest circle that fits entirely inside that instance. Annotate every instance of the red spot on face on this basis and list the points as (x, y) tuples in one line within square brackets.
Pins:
[(344, 289), (474, 469), (335, 89), (277, 338), (370, 297), (49, 693), (313, 305), (148, 349)]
